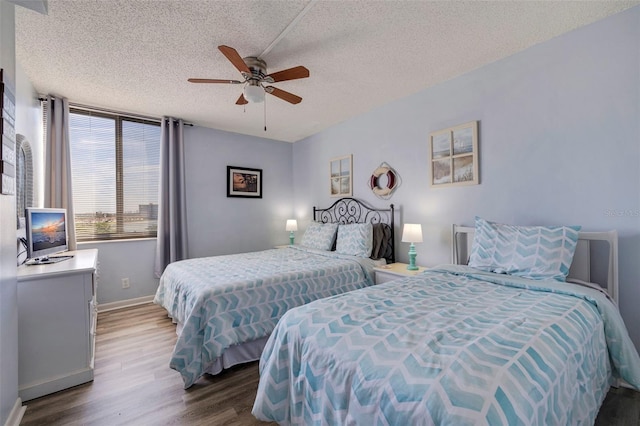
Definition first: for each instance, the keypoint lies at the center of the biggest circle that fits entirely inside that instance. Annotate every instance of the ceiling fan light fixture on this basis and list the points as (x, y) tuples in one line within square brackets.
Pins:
[(254, 94)]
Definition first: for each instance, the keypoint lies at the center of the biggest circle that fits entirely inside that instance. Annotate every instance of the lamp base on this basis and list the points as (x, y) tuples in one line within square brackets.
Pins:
[(412, 258), (291, 238)]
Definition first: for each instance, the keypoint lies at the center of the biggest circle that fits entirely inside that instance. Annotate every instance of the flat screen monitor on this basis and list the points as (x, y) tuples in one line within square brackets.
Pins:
[(46, 234)]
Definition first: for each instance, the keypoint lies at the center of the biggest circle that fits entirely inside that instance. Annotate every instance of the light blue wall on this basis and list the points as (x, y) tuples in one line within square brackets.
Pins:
[(216, 224), (220, 225), (133, 259), (559, 144)]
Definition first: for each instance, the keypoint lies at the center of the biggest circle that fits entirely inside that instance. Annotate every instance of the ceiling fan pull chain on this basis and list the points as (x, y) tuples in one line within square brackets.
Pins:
[(265, 114)]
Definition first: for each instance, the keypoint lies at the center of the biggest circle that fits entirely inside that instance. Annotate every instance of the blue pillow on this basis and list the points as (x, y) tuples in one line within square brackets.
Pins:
[(355, 239), (319, 236), (536, 252)]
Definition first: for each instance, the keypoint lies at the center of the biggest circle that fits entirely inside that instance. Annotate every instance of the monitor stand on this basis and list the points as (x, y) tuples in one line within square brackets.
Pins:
[(45, 260)]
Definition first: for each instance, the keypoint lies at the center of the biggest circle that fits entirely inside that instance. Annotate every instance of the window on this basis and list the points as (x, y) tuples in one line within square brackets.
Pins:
[(115, 167)]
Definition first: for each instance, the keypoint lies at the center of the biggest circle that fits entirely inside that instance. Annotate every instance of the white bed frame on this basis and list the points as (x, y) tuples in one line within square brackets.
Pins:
[(581, 267)]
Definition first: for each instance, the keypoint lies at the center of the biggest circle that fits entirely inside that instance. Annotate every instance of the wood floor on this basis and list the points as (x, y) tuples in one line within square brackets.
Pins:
[(134, 385)]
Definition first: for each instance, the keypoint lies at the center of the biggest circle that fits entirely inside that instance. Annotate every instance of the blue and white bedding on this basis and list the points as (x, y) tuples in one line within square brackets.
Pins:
[(222, 301), (452, 346)]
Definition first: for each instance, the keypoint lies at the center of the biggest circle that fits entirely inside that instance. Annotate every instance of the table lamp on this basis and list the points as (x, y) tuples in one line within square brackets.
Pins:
[(292, 225), (412, 233)]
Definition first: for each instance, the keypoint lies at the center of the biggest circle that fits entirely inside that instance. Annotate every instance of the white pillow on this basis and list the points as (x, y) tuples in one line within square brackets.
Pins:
[(536, 252), (355, 239), (319, 236)]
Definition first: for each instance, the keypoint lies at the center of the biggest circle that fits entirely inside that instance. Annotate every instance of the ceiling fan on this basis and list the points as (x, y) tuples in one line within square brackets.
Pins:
[(254, 72)]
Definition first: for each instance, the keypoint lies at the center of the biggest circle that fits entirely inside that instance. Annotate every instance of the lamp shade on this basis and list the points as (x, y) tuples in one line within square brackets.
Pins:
[(253, 93), (412, 233), (292, 225)]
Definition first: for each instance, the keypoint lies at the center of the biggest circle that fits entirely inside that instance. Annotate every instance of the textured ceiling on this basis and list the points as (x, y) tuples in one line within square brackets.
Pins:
[(136, 55)]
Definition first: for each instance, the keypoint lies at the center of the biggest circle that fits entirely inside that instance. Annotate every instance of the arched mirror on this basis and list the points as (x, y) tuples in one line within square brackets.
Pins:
[(24, 177)]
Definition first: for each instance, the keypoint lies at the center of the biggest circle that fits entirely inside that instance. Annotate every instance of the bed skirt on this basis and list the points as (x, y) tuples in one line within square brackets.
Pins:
[(234, 355)]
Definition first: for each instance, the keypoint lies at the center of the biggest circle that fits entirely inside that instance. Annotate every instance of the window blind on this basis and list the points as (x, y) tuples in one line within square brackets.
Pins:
[(115, 166)]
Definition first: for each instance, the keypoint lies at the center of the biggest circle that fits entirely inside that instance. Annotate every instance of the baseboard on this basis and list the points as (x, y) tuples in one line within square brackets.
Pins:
[(104, 307), (16, 414), (55, 384)]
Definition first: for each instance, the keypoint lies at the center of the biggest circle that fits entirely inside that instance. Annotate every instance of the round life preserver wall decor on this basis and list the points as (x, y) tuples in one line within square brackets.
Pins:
[(383, 181)]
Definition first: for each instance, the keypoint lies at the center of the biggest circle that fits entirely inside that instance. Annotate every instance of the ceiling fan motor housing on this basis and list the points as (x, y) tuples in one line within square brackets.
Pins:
[(258, 69)]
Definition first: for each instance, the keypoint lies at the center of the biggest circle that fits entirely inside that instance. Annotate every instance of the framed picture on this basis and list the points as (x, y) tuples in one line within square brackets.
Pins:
[(453, 154), (244, 182), (341, 184)]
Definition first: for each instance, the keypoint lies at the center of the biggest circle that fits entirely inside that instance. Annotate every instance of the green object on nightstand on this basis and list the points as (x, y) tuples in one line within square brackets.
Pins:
[(412, 233), (412, 258), (292, 225)]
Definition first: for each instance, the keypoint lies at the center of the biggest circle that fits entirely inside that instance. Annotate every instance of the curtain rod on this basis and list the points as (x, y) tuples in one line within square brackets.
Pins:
[(110, 111)]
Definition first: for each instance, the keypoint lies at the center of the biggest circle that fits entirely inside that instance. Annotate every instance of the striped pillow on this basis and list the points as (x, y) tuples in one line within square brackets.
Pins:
[(319, 236), (536, 252), (355, 239)]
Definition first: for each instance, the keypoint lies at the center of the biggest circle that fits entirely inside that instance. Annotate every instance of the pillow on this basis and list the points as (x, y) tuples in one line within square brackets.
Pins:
[(319, 236), (536, 252), (381, 238), (355, 239)]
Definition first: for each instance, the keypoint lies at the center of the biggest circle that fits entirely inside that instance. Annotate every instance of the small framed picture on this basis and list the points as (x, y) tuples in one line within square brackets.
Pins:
[(340, 176), (453, 154), (244, 182)]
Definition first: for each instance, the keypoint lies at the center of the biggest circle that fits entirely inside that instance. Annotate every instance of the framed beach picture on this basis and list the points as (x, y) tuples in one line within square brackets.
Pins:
[(341, 184), (244, 182), (453, 154)]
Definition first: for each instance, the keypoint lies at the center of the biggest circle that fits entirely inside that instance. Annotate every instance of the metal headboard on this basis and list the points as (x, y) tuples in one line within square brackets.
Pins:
[(350, 210), (462, 238)]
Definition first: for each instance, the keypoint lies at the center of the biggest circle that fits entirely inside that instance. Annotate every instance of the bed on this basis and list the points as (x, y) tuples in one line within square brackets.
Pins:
[(456, 344), (225, 307)]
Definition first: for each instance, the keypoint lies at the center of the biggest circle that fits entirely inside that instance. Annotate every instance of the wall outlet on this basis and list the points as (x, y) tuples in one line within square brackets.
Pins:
[(125, 283)]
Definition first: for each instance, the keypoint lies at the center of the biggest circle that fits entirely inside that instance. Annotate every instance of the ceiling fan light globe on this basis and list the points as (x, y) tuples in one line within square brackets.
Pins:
[(254, 94)]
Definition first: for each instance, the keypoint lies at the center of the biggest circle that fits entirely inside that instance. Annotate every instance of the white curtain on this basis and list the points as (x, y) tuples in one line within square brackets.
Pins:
[(172, 215), (58, 191)]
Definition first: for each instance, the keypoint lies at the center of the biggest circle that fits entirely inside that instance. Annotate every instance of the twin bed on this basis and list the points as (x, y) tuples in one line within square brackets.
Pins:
[(225, 307), (506, 341), (520, 335)]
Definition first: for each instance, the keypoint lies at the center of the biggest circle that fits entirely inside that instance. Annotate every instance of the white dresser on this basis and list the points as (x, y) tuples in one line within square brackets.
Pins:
[(56, 324)]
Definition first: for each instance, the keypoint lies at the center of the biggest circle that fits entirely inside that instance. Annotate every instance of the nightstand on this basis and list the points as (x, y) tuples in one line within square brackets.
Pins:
[(393, 271), (283, 246)]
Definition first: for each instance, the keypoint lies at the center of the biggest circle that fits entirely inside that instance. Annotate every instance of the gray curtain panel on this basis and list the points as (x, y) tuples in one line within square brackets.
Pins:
[(58, 190), (172, 214)]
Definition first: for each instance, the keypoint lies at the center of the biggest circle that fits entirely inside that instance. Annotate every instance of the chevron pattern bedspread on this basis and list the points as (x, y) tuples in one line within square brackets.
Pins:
[(225, 300), (447, 348)]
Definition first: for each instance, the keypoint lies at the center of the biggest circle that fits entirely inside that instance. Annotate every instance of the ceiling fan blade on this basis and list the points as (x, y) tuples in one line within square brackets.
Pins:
[(241, 100), (233, 56), (212, 80), (285, 96), (290, 74)]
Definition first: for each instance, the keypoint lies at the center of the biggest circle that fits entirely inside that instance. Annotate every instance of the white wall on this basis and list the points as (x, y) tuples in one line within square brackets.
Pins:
[(559, 144), (28, 110), (27, 123), (8, 289)]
